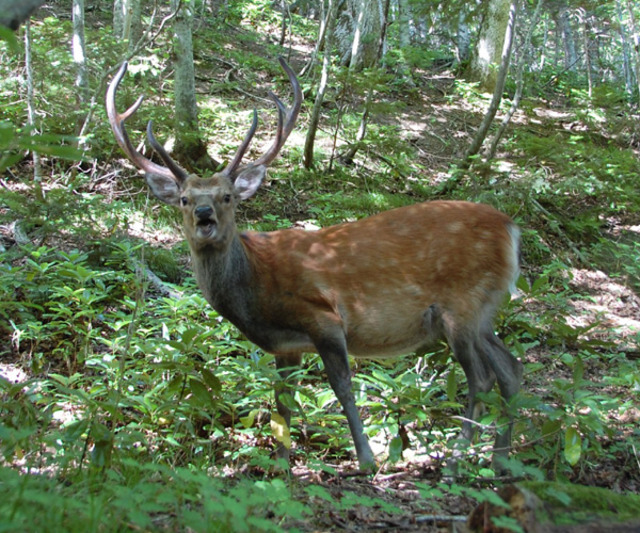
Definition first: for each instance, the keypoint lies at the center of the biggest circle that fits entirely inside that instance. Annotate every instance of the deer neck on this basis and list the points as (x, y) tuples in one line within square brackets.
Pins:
[(225, 279)]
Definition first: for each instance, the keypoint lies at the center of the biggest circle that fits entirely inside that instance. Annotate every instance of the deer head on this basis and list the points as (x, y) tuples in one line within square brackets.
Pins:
[(207, 204)]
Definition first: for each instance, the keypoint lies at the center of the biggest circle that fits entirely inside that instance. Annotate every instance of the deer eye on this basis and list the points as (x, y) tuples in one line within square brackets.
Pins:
[(226, 198), (184, 200)]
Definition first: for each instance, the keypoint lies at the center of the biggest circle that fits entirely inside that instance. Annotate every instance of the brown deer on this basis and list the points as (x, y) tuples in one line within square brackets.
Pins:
[(386, 285)]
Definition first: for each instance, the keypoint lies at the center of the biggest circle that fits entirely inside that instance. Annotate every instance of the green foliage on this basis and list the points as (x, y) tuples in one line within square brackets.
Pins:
[(145, 497), (580, 503)]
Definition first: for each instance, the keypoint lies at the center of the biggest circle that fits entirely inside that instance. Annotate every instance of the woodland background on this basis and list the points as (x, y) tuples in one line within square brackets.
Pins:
[(127, 404)]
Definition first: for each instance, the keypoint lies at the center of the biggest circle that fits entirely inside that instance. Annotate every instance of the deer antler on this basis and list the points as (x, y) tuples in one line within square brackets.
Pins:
[(286, 121), (117, 120)]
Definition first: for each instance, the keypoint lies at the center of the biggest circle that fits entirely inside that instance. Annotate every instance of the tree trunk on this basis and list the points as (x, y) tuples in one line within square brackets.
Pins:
[(132, 22), (626, 53), (357, 27), (332, 9), (404, 23), (501, 78), (636, 43), (79, 52), (286, 16), (31, 113), (463, 37), (322, 32), (519, 82), (189, 149), (118, 18), (347, 158), (560, 14), (587, 54), (488, 53)]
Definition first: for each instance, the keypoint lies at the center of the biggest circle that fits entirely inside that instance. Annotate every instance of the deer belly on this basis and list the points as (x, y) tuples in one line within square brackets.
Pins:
[(388, 336)]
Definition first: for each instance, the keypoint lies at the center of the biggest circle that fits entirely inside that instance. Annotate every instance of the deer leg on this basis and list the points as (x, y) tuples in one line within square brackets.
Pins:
[(480, 378), (336, 363), (285, 365), (508, 371)]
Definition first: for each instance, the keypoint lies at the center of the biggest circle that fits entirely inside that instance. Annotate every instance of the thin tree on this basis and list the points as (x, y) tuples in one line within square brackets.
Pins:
[(331, 12), (322, 32), (347, 157), (31, 112), (79, 52), (522, 63), (481, 134), (133, 22)]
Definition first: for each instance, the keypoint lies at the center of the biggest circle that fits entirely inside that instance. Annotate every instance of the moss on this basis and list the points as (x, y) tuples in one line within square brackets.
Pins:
[(580, 503), (164, 263)]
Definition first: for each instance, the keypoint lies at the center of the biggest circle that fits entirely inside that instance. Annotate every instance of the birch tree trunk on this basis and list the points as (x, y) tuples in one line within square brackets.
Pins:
[(404, 23), (322, 32), (587, 52), (347, 157), (488, 53), (560, 14), (127, 20), (79, 52)]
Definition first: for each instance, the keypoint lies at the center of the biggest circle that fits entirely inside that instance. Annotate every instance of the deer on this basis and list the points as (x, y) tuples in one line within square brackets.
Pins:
[(386, 285)]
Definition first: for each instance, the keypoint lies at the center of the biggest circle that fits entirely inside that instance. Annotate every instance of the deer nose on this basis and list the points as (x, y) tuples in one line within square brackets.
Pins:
[(204, 212)]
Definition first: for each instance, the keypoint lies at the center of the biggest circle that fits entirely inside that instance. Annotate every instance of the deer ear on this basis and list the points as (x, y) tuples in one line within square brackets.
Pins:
[(248, 180), (164, 188)]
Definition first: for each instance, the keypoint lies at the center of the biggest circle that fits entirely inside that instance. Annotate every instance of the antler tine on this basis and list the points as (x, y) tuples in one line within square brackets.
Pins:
[(177, 171), (242, 149), (286, 123), (116, 120)]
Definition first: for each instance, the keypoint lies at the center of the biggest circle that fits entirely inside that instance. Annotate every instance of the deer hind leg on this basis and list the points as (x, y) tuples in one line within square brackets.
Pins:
[(285, 364), (508, 371), (479, 374)]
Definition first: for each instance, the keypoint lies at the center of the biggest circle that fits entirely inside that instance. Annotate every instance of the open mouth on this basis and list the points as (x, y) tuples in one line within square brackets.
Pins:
[(206, 228)]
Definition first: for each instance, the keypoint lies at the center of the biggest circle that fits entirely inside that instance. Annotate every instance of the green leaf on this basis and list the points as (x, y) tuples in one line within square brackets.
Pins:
[(578, 369), (200, 391), (550, 427), (247, 421), (507, 523), (395, 449), (280, 430), (211, 380), (572, 446)]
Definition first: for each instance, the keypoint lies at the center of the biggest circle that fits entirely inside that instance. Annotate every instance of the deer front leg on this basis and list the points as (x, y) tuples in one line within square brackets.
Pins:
[(336, 363), (285, 364)]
